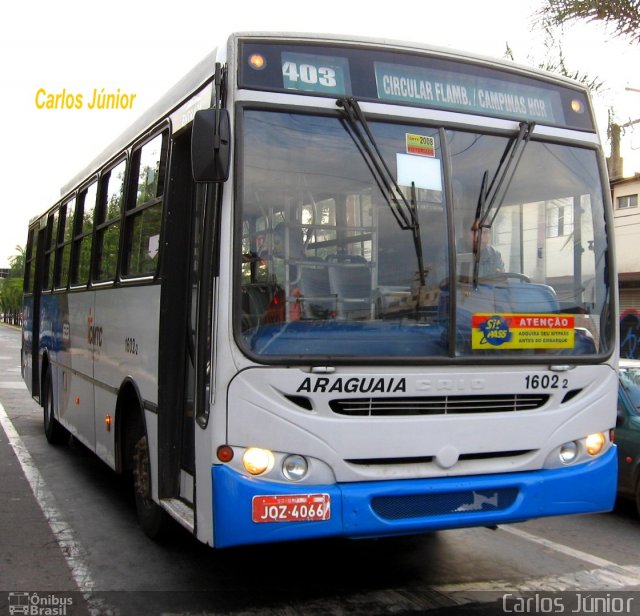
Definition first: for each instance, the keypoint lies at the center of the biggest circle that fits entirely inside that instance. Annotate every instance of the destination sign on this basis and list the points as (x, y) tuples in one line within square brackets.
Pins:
[(399, 77), (463, 92)]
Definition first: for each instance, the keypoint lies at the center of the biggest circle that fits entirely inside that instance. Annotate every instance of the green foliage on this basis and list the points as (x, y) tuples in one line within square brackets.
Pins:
[(17, 263), (11, 288), (623, 16), (554, 62), (620, 17)]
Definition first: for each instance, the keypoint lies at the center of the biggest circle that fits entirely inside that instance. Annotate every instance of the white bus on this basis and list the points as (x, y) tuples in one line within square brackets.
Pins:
[(337, 287)]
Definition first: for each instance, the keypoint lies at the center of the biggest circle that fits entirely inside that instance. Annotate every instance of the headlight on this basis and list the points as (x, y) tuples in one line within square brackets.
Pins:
[(257, 461), (294, 468), (275, 466), (594, 443), (579, 451), (568, 452)]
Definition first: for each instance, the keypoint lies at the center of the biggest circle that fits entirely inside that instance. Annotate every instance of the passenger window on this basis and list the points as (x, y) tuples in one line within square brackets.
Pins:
[(149, 162), (50, 250), (84, 237), (144, 220), (30, 260), (108, 229), (65, 237)]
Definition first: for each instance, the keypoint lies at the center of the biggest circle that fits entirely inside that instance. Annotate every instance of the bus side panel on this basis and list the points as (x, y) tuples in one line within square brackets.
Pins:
[(125, 347), (54, 341), (27, 343), (75, 401)]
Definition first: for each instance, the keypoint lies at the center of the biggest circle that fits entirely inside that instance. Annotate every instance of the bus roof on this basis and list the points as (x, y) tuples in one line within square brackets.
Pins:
[(189, 84), (204, 70), (412, 46)]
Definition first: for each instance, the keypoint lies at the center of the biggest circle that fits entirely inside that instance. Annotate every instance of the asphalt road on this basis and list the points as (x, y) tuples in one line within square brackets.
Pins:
[(70, 544)]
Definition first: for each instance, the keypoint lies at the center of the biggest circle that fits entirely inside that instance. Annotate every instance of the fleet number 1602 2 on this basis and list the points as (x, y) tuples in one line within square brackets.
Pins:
[(545, 381)]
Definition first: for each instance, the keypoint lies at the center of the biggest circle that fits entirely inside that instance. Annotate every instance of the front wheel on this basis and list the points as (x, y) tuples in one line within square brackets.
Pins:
[(55, 433)]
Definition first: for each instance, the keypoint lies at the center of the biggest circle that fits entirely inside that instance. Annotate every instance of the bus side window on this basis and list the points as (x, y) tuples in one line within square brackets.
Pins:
[(112, 191), (144, 216), (84, 235), (49, 257), (63, 252), (30, 260)]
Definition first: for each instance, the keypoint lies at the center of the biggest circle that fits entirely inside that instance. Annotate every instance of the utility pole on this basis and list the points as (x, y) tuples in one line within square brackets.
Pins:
[(615, 161)]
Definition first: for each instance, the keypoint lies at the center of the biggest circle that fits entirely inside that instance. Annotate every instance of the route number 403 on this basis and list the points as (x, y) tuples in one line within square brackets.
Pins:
[(310, 74)]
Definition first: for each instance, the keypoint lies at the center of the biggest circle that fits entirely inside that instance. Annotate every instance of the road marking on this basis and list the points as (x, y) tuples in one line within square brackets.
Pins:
[(607, 576), (12, 385), (73, 552), (558, 547), (623, 577)]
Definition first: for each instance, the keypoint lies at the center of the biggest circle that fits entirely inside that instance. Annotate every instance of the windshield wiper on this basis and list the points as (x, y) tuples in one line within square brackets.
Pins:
[(405, 213), (491, 197)]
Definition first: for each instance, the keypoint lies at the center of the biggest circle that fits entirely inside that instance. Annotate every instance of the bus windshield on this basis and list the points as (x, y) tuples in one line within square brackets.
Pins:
[(328, 269)]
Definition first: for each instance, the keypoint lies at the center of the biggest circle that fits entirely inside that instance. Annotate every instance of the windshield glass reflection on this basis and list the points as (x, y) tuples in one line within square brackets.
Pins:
[(328, 270)]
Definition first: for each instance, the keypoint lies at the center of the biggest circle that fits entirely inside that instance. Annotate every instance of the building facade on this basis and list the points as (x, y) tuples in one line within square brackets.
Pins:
[(624, 193)]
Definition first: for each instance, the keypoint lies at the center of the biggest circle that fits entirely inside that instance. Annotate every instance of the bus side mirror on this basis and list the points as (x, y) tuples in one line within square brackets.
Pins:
[(211, 145)]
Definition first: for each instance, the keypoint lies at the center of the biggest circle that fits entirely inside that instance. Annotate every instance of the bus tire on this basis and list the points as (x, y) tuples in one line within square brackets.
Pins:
[(153, 519), (55, 433)]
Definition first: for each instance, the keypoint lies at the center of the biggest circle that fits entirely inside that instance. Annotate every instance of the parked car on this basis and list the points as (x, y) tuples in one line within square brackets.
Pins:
[(628, 431)]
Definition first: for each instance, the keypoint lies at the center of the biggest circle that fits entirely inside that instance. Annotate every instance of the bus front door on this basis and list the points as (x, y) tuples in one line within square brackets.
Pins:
[(177, 339)]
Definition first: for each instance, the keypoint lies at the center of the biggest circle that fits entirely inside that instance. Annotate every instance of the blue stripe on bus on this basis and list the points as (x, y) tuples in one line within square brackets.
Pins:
[(413, 506)]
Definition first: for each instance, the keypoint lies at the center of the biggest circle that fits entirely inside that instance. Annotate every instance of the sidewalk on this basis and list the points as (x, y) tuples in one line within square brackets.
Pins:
[(30, 557), (32, 564)]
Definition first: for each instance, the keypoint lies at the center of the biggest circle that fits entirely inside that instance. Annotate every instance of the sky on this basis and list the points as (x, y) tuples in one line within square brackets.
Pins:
[(143, 47)]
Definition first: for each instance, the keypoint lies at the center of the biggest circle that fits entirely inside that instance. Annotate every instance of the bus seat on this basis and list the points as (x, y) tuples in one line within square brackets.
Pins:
[(255, 301), (504, 298), (352, 286), (316, 297), (346, 258)]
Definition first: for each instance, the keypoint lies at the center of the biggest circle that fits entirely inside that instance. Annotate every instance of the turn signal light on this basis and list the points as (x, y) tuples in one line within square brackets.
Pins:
[(224, 453)]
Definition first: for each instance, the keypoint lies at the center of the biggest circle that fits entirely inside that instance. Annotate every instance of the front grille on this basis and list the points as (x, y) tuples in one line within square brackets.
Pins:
[(438, 405), (424, 505), (488, 455)]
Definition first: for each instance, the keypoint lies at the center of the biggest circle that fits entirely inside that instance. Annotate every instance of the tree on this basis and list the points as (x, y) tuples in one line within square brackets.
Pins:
[(622, 15), (16, 263), (11, 289), (554, 62)]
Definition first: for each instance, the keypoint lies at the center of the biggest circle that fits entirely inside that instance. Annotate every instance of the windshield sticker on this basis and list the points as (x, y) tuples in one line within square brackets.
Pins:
[(522, 331), (421, 145), (423, 172)]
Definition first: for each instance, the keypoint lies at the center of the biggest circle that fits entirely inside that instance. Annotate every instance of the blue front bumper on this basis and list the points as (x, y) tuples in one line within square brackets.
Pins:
[(413, 506)]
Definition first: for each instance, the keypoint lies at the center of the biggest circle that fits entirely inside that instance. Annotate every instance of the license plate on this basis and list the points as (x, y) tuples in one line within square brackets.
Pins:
[(291, 508)]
